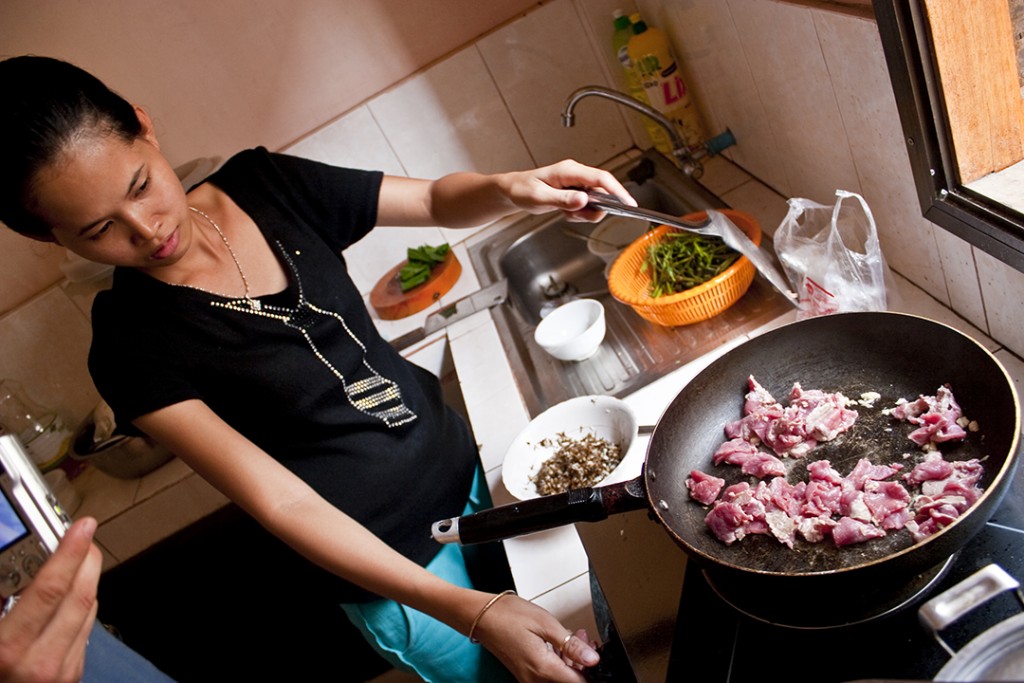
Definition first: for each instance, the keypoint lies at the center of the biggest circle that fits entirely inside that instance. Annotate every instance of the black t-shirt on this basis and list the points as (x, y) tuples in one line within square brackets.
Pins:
[(306, 377)]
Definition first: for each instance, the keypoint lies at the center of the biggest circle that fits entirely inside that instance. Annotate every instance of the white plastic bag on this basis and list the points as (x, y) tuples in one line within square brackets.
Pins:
[(832, 257)]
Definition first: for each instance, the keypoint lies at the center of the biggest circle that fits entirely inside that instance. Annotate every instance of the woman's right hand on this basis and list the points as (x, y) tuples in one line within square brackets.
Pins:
[(43, 637), (533, 644)]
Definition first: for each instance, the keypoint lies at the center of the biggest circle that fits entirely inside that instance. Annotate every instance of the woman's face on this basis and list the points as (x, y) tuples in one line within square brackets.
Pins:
[(115, 202)]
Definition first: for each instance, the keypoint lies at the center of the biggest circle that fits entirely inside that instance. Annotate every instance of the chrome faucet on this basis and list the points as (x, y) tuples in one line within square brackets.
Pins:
[(680, 150)]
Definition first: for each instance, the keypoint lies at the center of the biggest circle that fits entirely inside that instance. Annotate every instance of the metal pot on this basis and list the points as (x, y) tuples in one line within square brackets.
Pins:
[(894, 354), (119, 455), (996, 654)]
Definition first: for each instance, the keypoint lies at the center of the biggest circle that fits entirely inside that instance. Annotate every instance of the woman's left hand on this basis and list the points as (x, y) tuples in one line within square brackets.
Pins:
[(558, 187)]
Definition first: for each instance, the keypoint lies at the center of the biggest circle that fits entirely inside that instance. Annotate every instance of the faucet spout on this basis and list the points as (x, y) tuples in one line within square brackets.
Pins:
[(680, 150)]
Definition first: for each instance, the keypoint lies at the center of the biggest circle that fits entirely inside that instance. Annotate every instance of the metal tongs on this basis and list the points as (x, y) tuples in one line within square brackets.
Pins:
[(725, 229)]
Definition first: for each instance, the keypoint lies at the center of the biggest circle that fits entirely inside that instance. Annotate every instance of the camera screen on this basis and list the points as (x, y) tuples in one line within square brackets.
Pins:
[(12, 529)]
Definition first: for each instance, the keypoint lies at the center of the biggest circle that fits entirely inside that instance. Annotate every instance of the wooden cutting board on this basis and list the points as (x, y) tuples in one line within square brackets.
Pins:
[(391, 303)]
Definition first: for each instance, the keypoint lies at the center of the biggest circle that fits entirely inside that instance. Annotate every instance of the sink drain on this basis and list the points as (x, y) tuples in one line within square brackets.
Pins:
[(555, 289)]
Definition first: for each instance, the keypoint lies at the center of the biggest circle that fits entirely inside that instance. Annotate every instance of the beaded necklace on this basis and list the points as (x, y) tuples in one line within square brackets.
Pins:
[(253, 303), (370, 393)]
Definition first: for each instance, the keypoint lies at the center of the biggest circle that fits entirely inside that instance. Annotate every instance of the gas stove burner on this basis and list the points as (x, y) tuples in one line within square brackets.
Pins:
[(789, 610)]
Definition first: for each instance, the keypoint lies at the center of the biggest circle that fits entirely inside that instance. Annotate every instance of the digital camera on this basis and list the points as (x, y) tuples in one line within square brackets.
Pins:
[(32, 521)]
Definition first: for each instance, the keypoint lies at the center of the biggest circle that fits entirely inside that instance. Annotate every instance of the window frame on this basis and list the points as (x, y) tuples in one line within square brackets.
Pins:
[(984, 223)]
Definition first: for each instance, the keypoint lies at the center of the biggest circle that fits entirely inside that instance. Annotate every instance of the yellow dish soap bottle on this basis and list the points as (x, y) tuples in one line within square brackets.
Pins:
[(623, 31), (662, 80), (621, 36)]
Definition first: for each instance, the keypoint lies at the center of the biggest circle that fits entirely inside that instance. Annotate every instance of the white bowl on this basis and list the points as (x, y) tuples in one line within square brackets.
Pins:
[(573, 331), (602, 416)]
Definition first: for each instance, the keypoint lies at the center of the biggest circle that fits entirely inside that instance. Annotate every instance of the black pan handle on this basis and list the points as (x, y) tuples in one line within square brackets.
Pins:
[(539, 514)]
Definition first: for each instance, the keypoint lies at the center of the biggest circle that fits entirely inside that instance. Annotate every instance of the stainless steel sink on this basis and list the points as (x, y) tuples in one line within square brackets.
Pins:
[(542, 262)]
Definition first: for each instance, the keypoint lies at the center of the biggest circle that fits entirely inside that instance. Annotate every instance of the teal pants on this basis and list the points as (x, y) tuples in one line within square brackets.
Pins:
[(415, 642)]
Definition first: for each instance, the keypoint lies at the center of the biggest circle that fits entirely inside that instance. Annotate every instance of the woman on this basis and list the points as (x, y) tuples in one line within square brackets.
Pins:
[(233, 335)]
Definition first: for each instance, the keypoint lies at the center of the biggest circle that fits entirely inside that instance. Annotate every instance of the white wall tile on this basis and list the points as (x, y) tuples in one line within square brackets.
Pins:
[(450, 118), (354, 140), (793, 83), (460, 235), (718, 79), (1014, 367), (164, 477), (961, 275), (82, 294), (721, 175), (597, 18), (160, 516), (28, 267), (908, 298), (1001, 288), (814, 88), (763, 203), (264, 70), (45, 345), (853, 53), (706, 39), (537, 61), (104, 497)]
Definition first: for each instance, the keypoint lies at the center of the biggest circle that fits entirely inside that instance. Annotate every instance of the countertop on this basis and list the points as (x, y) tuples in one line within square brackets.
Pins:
[(634, 560)]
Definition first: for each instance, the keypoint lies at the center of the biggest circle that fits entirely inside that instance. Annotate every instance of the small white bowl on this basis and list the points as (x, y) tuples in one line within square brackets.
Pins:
[(605, 417), (573, 331)]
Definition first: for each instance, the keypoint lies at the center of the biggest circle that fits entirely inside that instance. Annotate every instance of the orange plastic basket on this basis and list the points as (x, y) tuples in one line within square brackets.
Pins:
[(630, 285)]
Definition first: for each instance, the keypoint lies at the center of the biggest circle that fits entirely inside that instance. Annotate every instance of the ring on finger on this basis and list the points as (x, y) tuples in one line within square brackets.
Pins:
[(565, 641)]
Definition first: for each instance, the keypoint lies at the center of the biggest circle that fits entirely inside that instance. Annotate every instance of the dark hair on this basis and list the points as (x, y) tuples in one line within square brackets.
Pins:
[(47, 103)]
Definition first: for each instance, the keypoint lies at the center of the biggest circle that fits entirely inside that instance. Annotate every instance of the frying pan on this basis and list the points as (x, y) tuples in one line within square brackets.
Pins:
[(893, 354)]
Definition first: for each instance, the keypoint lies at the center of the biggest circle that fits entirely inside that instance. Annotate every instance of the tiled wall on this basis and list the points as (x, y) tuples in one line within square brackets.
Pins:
[(488, 107), (805, 91), (807, 94), (219, 76)]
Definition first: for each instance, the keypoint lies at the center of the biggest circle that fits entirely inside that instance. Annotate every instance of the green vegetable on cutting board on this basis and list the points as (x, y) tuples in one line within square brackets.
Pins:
[(681, 260), (421, 261)]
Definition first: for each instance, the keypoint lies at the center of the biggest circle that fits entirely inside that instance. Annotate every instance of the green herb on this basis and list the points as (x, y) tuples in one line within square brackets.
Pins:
[(421, 261), (681, 260)]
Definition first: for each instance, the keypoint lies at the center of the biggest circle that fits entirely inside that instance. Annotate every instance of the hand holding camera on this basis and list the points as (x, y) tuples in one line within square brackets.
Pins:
[(46, 631), (52, 568), (31, 518)]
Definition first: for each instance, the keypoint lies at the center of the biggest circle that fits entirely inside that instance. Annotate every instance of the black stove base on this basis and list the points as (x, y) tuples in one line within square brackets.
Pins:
[(830, 611), (714, 642)]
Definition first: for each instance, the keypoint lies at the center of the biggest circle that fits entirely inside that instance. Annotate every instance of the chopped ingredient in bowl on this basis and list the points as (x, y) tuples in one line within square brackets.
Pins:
[(681, 260), (577, 463)]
